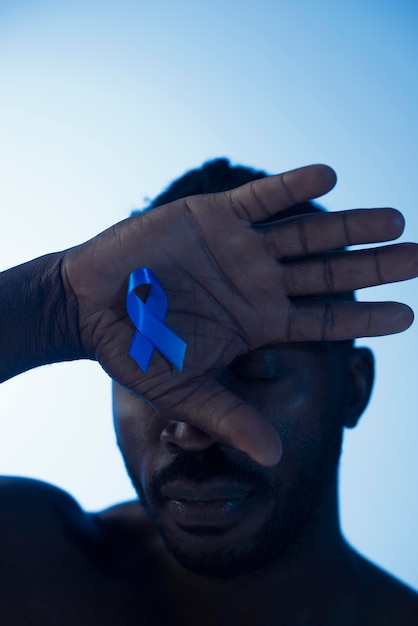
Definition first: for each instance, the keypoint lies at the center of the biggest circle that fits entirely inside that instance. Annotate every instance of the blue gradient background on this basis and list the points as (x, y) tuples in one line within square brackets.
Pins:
[(102, 104)]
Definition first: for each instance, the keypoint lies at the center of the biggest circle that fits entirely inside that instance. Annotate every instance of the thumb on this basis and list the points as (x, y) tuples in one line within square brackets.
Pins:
[(229, 420)]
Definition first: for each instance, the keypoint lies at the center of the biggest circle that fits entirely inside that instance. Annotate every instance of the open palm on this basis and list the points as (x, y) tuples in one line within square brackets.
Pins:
[(232, 288)]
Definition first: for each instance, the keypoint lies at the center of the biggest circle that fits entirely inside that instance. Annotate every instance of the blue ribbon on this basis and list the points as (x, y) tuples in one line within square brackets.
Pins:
[(148, 318)]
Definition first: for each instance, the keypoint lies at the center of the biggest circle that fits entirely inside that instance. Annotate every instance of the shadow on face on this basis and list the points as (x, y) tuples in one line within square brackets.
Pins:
[(309, 392)]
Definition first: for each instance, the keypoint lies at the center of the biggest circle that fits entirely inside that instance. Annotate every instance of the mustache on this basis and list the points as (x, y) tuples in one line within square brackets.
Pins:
[(210, 465)]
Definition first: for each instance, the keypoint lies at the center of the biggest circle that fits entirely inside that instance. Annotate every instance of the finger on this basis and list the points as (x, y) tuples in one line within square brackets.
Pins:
[(214, 409), (260, 199), (305, 235), (339, 320), (347, 271)]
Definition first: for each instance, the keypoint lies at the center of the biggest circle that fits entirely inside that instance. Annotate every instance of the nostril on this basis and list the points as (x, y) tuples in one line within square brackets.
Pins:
[(185, 436), (171, 446)]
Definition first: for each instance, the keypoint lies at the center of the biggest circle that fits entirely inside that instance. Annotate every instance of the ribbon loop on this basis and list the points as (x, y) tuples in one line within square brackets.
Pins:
[(148, 319)]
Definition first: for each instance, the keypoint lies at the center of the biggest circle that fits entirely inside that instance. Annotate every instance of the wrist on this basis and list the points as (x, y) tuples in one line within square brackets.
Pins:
[(38, 321)]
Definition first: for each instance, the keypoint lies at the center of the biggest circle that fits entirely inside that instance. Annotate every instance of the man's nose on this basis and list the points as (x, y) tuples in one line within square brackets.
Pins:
[(181, 436)]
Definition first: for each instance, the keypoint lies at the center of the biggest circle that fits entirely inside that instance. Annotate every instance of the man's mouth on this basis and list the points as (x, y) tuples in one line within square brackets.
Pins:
[(205, 505)]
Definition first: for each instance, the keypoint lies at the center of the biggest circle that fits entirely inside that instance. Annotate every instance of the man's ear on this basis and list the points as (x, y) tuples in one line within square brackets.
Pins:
[(362, 378)]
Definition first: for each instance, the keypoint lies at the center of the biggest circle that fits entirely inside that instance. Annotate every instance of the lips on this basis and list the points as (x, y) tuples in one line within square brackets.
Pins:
[(205, 492), (207, 505)]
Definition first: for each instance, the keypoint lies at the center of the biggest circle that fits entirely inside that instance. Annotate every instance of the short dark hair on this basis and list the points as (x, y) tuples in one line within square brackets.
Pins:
[(212, 177), (216, 176)]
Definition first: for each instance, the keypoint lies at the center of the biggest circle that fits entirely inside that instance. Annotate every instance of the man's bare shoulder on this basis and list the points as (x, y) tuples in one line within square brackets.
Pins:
[(386, 600), (23, 500), (59, 561), (46, 518), (38, 519)]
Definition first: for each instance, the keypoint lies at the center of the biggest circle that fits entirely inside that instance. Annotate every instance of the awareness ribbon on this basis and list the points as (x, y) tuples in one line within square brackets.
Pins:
[(148, 318)]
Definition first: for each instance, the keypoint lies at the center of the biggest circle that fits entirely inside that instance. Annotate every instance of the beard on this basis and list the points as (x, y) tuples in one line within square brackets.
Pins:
[(288, 502)]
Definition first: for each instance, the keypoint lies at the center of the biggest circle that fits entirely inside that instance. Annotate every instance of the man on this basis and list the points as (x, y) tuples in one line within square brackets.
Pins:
[(235, 456)]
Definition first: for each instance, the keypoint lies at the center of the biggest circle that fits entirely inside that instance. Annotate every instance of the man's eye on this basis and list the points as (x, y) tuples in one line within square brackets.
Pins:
[(230, 375), (265, 366), (262, 381)]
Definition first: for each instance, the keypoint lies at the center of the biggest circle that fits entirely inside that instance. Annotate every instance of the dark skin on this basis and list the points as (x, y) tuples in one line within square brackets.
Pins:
[(313, 391), (114, 568), (61, 565)]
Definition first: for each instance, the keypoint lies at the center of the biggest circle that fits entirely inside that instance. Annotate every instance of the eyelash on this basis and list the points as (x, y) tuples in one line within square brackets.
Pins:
[(262, 381), (252, 380)]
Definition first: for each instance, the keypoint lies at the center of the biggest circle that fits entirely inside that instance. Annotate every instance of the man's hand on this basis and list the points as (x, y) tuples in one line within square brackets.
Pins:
[(233, 288)]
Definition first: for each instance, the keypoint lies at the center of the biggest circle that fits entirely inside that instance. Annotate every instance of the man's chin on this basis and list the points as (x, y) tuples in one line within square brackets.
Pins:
[(226, 553), (220, 563)]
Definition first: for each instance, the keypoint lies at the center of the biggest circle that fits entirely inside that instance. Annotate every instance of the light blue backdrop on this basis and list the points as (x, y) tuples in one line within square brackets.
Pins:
[(104, 103)]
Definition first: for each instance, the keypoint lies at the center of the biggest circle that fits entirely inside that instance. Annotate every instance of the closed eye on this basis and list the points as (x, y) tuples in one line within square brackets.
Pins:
[(230, 376), (265, 366)]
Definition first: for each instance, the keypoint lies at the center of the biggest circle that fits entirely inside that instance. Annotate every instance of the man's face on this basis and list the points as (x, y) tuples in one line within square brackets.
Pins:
[(248, 514)]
